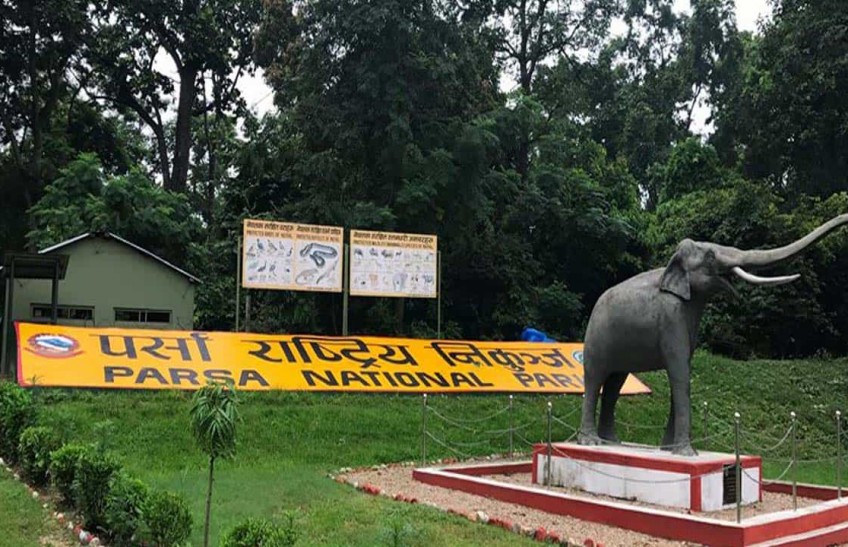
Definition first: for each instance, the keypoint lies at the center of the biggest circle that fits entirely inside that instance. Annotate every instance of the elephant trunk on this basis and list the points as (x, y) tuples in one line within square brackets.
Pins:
[(760, 258)]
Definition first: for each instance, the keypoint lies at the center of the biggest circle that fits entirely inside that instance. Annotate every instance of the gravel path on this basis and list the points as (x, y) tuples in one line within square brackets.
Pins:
[(398, 481)]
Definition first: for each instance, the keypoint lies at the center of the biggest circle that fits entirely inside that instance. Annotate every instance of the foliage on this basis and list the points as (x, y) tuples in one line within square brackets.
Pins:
[(92, 479), (788, 113), (122, 514), (63, 468), (167, 519), (260, 532), (34, 449), (17, 412), (552, 156), (201, 39), (214, 415), (84, 199)]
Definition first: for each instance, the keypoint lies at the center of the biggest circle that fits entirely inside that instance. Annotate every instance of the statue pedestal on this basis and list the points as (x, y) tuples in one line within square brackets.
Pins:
[(706, 482)]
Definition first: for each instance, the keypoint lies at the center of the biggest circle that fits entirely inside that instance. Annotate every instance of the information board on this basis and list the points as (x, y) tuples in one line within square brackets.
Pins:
[(288, 256), (393, 264)]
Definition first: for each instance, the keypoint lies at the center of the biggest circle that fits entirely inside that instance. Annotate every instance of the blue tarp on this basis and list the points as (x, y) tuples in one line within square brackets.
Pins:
[(533, 335)]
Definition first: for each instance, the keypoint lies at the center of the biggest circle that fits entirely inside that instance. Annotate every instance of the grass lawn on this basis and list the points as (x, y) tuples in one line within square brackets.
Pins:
[(288, 442), (22, 519)]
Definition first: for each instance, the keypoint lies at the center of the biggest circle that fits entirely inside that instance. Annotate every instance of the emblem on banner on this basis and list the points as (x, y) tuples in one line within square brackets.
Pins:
[(53, 345), (578, 356)]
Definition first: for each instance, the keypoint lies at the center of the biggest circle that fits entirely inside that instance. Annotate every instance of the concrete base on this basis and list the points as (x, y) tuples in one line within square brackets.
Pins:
[(705, 482), (824, 523)]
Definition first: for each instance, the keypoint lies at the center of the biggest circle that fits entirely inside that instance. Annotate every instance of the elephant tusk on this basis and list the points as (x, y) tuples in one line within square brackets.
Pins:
[(768, 281)]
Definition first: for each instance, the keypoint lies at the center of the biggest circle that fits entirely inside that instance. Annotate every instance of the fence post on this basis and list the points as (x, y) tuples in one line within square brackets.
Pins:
[(794, 462), (424, 431), (738, 469), (511, 420), (705, 425), (548, 469), (838, 455)]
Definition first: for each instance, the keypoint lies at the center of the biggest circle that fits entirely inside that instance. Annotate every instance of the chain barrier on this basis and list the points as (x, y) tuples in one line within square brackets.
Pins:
[(477, 420), (445, 445), (761, 481), (716, 440), (505, 431), (566, 424), (450, 421), (774, 447)]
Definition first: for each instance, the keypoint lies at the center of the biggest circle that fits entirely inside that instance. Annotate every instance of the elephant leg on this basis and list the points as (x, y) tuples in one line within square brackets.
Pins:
[(588, 433), (668, 438), (679, 377), (612, 389)]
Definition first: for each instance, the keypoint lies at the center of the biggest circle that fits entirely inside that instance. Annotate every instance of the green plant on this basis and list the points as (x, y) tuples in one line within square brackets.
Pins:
[(34, 448), (63, 469), (260, 532), (92, 478), (17, 412), (123, 511), (167, 519), (213, 421), (397, 532)]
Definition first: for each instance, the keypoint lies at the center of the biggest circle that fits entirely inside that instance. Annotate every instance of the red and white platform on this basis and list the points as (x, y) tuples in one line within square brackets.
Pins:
[(705, 482), (822, 523)]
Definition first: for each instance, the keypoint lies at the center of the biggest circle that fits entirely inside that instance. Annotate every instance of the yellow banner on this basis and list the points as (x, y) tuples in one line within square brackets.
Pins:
[(54, 355)]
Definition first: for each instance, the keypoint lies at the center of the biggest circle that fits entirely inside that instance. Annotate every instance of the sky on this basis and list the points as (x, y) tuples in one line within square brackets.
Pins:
[(260, 99)]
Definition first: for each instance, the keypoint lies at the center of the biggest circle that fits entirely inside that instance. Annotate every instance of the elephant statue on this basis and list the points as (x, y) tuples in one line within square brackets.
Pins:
[(650, 322)]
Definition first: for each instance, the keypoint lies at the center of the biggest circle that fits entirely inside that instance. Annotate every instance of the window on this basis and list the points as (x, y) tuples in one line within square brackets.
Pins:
[(128, 315), (74, 313)]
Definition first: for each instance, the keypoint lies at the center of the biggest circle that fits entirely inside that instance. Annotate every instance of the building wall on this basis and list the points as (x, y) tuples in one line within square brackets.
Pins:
[(106, 274)]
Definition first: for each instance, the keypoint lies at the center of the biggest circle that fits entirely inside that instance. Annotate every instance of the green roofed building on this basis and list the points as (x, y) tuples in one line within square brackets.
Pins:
[(110, 282), (106, 281)]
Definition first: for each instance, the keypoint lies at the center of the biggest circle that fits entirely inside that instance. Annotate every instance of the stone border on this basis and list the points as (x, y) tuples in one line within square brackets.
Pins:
[(81, 535), (538, 534)]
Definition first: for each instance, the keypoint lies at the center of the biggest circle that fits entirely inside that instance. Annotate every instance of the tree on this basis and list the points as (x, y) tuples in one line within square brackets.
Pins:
[(39, 43), (214, 415), (84, 199), (199, 37), (788, 119)]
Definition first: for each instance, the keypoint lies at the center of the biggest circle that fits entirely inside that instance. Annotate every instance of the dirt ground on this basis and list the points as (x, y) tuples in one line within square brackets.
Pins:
[(398, 481)]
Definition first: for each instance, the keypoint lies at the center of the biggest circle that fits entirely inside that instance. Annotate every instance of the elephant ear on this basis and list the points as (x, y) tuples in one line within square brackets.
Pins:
[(675, 278)]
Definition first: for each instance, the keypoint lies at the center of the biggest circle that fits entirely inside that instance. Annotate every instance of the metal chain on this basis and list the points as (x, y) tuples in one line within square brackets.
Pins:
[(762, 481), (450, 421), (776, 446), (476, 420), (445, 445)]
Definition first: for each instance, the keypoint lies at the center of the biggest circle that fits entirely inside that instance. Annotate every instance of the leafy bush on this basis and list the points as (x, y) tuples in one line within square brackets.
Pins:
[(34, 448), (167, 519), (257, 532), (17, 412), (92, 478), (63, 468), (124, 504)]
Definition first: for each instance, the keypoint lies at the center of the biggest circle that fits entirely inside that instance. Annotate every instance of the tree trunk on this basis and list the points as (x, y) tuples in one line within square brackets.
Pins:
[(182, 141), (208, 503)]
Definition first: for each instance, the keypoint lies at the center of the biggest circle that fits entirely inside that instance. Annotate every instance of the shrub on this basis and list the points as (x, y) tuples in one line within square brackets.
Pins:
[(167, 520), (92, 477), (256, 532), (34, 448), (17, 412), (124, 504), (63, 468)]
